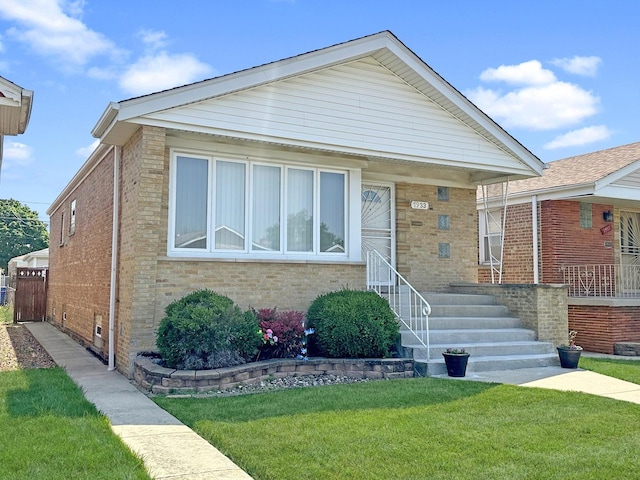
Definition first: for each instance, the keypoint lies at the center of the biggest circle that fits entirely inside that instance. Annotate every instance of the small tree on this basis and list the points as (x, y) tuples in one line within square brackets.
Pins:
[(20, 231)]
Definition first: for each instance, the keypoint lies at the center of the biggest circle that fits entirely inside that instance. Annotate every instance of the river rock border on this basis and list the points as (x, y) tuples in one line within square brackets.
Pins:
[(157, 379)]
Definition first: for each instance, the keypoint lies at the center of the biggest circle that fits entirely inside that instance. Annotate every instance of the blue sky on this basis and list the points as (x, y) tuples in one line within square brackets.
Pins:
[(558, 75)]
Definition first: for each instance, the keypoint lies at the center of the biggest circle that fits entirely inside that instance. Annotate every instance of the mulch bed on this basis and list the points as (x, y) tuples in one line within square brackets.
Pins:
[(19, 350)]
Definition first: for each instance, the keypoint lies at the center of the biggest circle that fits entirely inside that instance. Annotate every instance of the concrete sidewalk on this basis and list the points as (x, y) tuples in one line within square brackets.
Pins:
[(168, 448)]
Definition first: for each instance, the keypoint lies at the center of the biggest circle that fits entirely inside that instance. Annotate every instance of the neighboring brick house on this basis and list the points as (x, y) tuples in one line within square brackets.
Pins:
[(267, 185), (586, 234), (15, 110)]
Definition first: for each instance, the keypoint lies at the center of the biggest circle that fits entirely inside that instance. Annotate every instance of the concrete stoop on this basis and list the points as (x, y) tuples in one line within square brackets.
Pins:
[(495, 339)]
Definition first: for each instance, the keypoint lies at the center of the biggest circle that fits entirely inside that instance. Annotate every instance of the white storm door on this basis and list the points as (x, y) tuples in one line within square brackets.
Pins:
[(629, 276), (378, 224)]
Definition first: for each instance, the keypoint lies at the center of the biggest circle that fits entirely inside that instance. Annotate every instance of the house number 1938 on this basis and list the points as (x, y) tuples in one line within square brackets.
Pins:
[(420, 205)]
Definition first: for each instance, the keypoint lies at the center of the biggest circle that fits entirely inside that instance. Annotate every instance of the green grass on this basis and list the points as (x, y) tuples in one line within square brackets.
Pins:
[(50, 431), (628, 370), (6, 314), (419, 429)]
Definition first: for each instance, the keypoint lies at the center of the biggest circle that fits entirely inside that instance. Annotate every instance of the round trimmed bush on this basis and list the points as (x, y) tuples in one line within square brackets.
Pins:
[(206, 330), (352, 324)]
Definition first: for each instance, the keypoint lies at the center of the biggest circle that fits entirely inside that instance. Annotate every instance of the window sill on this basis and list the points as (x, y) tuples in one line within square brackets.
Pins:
[(319, 261)]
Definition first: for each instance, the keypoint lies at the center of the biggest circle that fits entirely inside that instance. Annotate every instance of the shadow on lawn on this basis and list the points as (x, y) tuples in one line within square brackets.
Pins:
[(39, 392), (405, 393)]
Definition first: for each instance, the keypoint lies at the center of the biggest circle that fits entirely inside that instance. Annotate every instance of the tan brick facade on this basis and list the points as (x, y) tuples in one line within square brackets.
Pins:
[(148, 280), (418, 237)]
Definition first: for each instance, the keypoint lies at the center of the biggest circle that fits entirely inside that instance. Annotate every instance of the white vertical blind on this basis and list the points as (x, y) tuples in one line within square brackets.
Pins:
[(332, 212), (230, 206), (266, 208), (299, 210), (191, 202)]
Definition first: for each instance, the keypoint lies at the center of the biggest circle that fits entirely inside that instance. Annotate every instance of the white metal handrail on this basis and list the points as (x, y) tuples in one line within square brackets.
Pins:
[(407, 304), (603, 280)]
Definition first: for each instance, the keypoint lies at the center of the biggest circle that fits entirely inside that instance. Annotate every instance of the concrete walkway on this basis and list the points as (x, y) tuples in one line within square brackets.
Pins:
[(558, 378), (168, 448)]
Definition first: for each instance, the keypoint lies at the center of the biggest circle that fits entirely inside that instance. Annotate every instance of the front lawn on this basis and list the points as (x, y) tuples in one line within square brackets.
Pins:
[(48, 430), (624, 369), (419, 429)]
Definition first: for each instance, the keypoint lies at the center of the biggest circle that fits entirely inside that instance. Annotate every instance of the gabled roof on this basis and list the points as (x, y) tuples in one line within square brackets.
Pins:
[(610, 175), (121, 119)]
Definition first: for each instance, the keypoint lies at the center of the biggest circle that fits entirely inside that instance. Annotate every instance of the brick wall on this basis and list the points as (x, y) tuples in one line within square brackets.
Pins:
[(600, 327), (517, 264), (418, 237), (79, 269), (565, 242)]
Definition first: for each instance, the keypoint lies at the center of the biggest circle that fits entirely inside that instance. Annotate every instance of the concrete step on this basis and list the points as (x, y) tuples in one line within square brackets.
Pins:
[(458, 299), (485, 335), (459, 323), (487, 349), (469, 311), (487, 364)]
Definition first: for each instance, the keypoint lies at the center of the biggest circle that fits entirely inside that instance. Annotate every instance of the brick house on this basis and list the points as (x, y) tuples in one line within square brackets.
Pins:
[(267, 185), (578, 224)]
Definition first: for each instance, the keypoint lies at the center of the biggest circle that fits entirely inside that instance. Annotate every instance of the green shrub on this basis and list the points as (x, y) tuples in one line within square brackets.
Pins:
[(352, 324), (206, 330)]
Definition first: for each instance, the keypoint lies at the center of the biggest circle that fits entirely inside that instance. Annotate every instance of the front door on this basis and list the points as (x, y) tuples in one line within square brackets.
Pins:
[(378, 232)]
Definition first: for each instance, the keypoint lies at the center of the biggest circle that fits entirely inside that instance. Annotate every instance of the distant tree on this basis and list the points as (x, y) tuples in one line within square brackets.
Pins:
[(20, 231)]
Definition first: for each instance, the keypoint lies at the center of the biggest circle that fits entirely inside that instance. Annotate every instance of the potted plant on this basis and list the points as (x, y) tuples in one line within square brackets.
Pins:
[(569, 353), (456, 360)]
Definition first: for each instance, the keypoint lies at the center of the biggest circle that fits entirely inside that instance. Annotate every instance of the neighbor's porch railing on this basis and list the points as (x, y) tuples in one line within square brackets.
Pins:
[(408, 305), (604, 280)]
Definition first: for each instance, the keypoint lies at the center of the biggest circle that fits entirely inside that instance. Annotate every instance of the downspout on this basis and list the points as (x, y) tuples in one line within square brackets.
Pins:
[(114, 258), (534, 218)]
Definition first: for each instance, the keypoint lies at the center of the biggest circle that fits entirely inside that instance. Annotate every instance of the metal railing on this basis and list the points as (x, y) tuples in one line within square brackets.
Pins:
[(407, 304), (603, 280)]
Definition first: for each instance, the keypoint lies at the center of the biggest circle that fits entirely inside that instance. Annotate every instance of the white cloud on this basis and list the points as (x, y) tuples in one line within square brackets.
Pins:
[(526, 73), (155, 40), (545, 107), (52, 28), (84, 152), (582, 136), (587, 66), (162, 71), (16, 153), (534, 99)]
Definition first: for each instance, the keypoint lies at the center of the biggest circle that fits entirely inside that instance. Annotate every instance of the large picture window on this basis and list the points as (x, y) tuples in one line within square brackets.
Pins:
[(229, 207)]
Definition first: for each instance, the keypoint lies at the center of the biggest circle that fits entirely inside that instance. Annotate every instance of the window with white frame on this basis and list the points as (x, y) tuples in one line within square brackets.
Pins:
[(490, 223), (230, 207)]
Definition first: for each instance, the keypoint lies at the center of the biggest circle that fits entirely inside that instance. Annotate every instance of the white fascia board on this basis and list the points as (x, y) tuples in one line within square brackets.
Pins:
[(557, 193), (619, 193), (460, 101), (252, 77), (106, 120), (453, 161), (91, 163), (617, 175)]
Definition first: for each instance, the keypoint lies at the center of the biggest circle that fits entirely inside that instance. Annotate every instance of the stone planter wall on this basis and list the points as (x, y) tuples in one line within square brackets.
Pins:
[(159, 379)]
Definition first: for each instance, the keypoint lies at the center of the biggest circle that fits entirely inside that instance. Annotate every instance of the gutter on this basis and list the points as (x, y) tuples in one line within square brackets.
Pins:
[(114, 257), (534, 219)]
